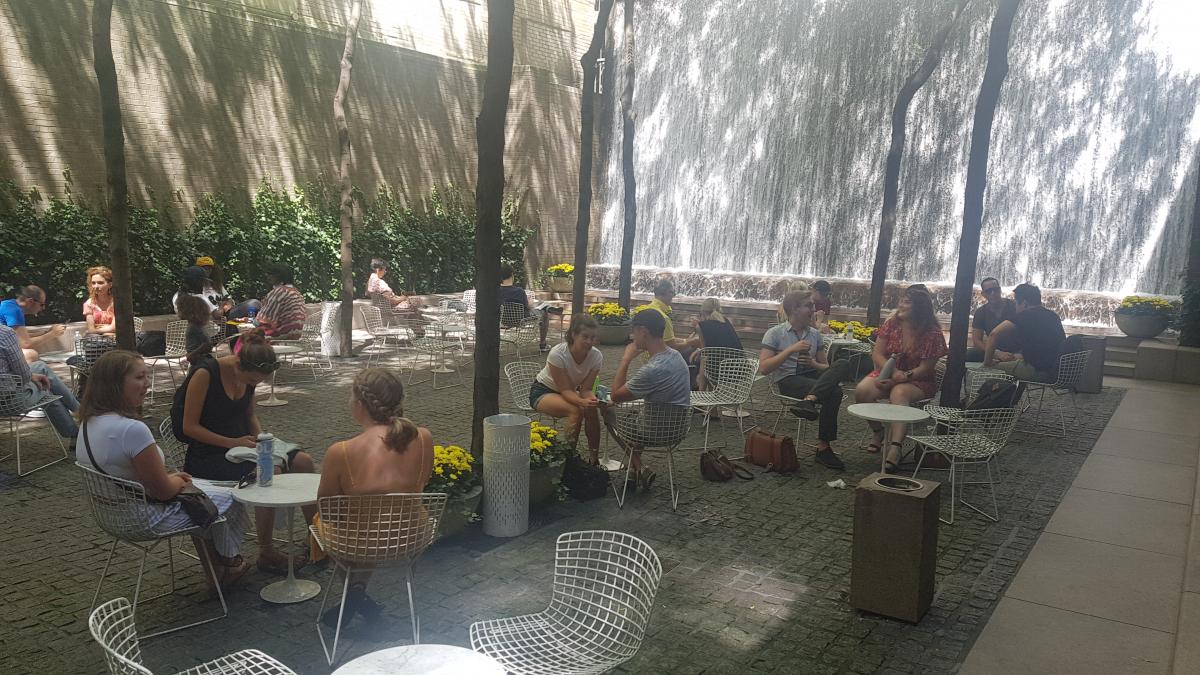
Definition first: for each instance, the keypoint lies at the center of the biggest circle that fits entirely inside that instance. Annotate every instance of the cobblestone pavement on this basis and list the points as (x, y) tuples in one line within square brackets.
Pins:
[(756, 576)]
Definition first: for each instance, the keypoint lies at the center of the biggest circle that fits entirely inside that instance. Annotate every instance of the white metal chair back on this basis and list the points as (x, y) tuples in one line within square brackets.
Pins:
[(517, 329), (604, 588), (174, 451), (378, 529), (384, 306), (91, 349), (372, 318), (973, 434), (468, 299), (976, 378), (12, 396), (521, 375), (213, 331), (646, 424), (119, 506), (176, 339), (1070, 369), (138, 322), (730, 374), (112, 626)]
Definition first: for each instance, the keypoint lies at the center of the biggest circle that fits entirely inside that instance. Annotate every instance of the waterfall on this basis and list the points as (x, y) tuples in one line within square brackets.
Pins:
[(762, 128)]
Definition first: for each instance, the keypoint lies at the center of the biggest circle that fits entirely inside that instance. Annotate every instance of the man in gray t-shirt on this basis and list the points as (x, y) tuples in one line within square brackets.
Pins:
[(664, 383)]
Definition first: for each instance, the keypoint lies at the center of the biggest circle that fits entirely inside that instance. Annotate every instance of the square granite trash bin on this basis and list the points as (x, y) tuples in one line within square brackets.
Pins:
[(895, 546)]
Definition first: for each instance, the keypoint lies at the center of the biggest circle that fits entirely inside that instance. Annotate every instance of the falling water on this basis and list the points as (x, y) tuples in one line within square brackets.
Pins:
[(763, 127)]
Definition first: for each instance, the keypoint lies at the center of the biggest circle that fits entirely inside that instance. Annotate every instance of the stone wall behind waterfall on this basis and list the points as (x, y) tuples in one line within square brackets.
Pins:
[(763, 127)]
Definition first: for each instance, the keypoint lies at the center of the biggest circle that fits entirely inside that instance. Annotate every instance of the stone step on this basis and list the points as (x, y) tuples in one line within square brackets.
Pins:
[(1118, 369), (1119, 354)]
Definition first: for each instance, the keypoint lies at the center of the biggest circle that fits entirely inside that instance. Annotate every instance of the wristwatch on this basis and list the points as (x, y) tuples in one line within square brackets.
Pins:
[(908, 374)]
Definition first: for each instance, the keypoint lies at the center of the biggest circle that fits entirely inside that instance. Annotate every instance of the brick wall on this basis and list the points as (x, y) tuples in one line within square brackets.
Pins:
[(220, 94)]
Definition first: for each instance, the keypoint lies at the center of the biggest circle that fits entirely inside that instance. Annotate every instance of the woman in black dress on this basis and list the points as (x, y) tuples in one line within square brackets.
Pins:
[(216, 413)]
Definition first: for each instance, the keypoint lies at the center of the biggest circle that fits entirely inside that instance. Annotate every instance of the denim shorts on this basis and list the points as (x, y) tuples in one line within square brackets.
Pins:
[(536, 392)]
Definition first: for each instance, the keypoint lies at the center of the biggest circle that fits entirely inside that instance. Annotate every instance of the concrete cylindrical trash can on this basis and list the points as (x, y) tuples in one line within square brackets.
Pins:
[(331, 335), (505, 475)]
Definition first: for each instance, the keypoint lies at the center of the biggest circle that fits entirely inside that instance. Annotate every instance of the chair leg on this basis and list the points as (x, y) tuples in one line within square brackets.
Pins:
[(620, 493), (992, 491), (671, 479), (96, 596), (412, 606), (22, 473), (953, 470), (330, 652)]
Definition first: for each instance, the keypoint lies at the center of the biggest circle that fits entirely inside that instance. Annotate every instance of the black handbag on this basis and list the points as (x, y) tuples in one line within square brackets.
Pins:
[(198, 506), (583, 481)]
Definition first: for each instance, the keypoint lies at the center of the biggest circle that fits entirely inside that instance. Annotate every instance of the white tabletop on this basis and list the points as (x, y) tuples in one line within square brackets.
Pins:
[(844, 341), (286, 489), (56, 357), (424, 659), (286, 349), (887, 412)]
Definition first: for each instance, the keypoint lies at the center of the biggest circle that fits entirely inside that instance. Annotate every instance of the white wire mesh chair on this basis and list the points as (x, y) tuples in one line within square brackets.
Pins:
[(973, 437), (731, 376), (13, 408), (114, 627), (373, 531), (468, 299), (386, 309), (642, 425), (518, 330), (89, 349), (174, 451), (381, 333), (121, 509), (1070, 369), (176, 348), (520, 375), (604, 588), (311, 343), (431, 344)]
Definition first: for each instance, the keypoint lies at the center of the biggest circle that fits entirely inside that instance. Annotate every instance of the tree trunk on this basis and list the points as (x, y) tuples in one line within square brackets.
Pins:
[(968, 245), (630, 234), (895, 157), (117, 195), (1189, 335), (587, 125), (489, 131), (346, 327)]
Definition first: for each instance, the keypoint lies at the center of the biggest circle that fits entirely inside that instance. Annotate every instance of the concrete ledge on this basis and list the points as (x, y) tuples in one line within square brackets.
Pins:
[(1155, 361)]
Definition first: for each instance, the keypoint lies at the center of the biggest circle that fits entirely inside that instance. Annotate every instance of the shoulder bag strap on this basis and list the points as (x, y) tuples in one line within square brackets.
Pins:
[(88, 446)]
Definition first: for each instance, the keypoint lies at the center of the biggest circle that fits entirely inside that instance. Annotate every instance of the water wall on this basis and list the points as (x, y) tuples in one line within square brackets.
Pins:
[(762, 128)]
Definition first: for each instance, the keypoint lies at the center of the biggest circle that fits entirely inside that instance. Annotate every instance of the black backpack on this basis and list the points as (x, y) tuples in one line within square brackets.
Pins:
[(583, 481), (181, 394), (997, 394)]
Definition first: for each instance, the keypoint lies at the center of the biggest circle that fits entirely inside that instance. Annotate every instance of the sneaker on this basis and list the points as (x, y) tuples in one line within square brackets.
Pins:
[(805, 409), (827, 457), (36, 414), (543, 348)]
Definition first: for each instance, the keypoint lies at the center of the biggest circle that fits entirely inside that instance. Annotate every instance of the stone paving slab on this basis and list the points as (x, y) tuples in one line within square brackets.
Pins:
[(756, 573)]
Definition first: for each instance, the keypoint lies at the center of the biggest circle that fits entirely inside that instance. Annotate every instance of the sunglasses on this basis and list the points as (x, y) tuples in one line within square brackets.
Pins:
[(989, 291), (265, 368), (248, 480)]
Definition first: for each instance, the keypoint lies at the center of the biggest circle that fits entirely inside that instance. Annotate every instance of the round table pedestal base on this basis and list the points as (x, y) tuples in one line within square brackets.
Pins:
[(441, 370), (734, 412), (272, 402), (290, 590)]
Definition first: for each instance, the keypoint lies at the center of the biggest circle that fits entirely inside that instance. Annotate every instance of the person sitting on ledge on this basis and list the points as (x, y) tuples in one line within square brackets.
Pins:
[(663, 379), (712, 330), (821, 290), (390, 455), (563, 388), (214, 290), (995, 310), (376, 286), (913, 336), (1040, 333), (513, 295), (30, 301), (792, 357)]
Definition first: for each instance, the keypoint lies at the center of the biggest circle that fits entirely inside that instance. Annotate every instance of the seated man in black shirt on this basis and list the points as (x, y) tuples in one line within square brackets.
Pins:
[(992, 313), (1041, 335), (515, 295)]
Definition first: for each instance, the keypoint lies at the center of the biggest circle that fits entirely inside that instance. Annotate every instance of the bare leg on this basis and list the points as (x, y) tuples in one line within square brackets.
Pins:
[(591, 426)]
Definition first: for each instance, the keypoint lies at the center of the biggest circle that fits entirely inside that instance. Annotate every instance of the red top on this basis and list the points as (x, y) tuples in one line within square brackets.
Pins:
[(823, 306), (931, 345)]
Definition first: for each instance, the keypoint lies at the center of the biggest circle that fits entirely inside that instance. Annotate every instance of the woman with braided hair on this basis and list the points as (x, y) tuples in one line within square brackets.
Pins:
[(390, 455)]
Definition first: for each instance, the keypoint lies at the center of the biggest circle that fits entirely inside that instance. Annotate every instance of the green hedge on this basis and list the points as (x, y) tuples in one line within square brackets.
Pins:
[(430, 246)]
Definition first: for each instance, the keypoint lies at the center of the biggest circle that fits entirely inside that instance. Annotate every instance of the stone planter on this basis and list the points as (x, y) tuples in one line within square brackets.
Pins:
[(1136, 326), (608, 334), (560, 284), (543, 484), (458, 512)]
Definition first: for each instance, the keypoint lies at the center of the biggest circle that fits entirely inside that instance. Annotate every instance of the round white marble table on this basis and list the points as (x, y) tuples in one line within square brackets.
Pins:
[(287, 490), (887, 413), (423, 660), (56, 357), (280, 350)]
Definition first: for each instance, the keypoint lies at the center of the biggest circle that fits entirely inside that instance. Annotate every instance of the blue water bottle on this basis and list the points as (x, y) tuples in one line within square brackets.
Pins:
[(252, 314), (266, 459)]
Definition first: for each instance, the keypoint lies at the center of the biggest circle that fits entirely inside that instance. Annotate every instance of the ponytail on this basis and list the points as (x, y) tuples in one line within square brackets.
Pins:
[(381, 394), (401, 433)]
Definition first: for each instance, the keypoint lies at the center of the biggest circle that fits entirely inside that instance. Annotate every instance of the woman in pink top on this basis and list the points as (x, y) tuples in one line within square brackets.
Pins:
[(98, 308)]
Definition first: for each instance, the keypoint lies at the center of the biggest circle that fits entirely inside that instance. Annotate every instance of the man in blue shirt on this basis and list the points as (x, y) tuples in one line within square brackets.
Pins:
[(664, 380), (30, 301), (792, 357)]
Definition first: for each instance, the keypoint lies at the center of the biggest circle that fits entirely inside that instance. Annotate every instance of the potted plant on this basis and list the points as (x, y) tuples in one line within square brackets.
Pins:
[(560, 278), (861, 332), (454, 473), (613, 320), (1139, 316), (547, 452)]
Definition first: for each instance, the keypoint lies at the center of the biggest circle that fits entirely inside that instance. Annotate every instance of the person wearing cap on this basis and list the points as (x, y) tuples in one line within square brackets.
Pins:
[(214, 290), (663, 379), (191, 282), (30, 300)]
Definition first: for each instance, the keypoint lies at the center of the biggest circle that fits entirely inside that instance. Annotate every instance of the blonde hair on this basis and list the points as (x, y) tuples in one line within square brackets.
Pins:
[(711, 309), (793, 286), (381, 393), (793, 300), (102, 271)]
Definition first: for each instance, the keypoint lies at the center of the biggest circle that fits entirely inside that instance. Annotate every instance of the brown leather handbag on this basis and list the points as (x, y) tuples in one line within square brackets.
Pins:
[(776, 453)]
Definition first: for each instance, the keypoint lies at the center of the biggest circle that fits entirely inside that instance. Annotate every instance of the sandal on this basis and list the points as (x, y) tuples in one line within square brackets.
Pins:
[(647, 478), (889, 465)]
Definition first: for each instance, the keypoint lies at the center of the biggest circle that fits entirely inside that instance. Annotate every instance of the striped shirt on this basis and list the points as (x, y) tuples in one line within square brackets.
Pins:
[(12, 359), (284, 310)]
